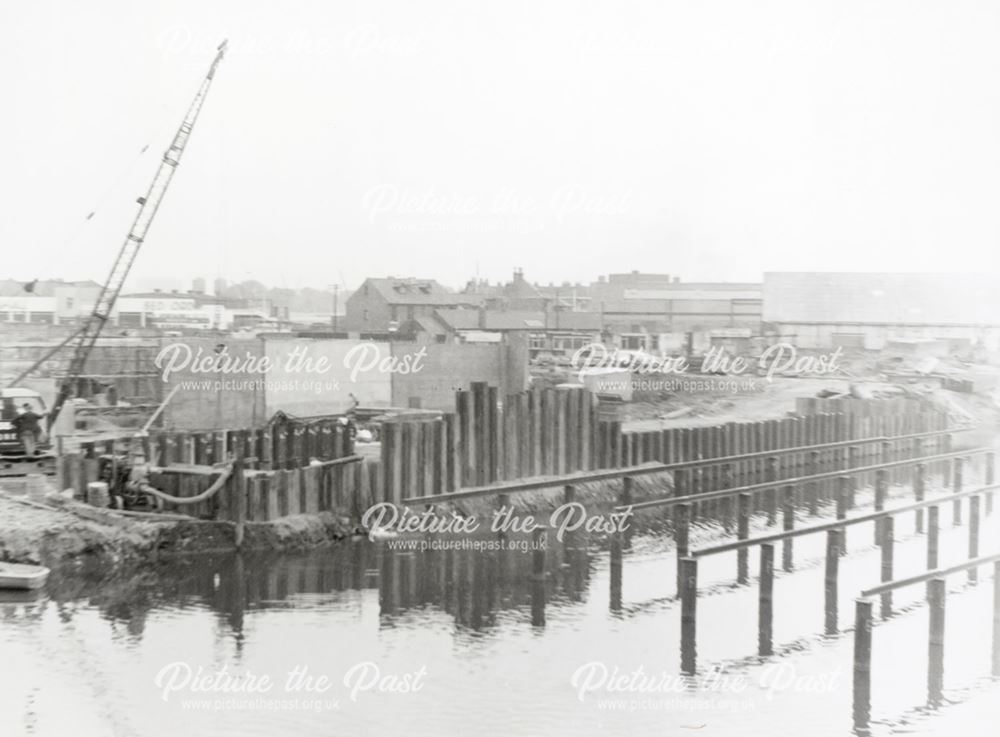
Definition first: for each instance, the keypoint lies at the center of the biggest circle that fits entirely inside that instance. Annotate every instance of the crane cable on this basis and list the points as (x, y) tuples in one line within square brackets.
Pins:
[(114, 184)]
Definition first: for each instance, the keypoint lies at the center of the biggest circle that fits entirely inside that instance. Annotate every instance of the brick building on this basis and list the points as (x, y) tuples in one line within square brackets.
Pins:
[(383, 304)]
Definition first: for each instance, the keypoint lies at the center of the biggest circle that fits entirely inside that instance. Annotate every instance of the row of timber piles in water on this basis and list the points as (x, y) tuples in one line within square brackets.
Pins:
[(290, 467), (550, 432), (286, 468)]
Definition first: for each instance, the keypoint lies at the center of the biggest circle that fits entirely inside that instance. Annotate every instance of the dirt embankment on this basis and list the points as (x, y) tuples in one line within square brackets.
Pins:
[(43, 528), (597, 497)]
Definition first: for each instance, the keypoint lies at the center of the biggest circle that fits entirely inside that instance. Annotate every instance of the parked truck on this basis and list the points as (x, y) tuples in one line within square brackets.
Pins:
[(14, 461)]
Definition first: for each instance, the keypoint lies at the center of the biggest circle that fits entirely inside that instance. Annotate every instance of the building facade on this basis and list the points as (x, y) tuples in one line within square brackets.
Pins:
[(383, 304), (557, 334), (870, 310), (658, 312)]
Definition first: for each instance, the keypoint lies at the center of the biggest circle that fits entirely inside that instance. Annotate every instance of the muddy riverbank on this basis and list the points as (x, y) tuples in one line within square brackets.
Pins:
[(44, 528), (37, 525)]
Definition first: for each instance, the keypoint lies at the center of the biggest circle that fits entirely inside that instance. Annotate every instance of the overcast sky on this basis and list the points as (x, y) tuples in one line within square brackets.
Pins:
[(709, 139)]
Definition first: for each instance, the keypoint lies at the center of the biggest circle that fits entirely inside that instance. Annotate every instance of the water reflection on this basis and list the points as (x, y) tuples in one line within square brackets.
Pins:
[(472, 586)]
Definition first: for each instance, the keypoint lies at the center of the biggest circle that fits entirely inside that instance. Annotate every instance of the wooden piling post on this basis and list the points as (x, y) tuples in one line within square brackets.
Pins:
[(480, 432), (682, 530), (625, 500), (885, 451), (843, 489), (238, 489), (788, 524), (615, 554), (440, 435), (988, 463), (765, 601), (886, 541), (973, 536), (569, 497), (393, 434), (812, 487), (453, 438), (681, 482), (742, 533), (689, 609), (957, 483), (881, 486), (919, 492), (502, 504), (862, 695), (935, 645), (726, 504), (833, 542), (932, 538), (996, 619), (538, 538), (560, 447), (771, 475), (428, 458)]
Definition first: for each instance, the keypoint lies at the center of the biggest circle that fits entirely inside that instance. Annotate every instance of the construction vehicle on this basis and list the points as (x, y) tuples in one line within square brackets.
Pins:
[(12, 457), (14, 461)]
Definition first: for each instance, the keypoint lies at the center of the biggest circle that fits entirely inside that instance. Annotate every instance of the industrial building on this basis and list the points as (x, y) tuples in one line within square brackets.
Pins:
[(871, 310), (653, 312)]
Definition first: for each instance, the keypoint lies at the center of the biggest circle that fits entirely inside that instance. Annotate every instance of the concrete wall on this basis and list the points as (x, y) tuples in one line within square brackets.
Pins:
[(208, 399), (314, 377), (447, 367)]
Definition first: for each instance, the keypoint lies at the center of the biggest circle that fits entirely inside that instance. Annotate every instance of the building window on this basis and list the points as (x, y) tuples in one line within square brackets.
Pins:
[(364, 315), (633, 342)]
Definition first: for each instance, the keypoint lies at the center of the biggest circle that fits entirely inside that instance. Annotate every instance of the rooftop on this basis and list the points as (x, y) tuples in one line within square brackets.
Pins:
[(518, 320), (410, 291), (39, 287)]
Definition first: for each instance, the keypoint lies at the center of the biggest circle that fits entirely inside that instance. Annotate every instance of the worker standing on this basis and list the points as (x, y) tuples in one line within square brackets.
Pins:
[(26, 426), (352, 415)]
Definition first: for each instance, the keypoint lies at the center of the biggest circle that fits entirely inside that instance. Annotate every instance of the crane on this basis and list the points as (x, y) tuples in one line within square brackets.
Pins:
[(86, 337)]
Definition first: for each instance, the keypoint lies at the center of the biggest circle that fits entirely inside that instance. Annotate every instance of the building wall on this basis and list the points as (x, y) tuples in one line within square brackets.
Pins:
[(328, 372), (881, 299), (367, 313), (670, 307), (75, 301), (875, 337), (27, 309), (824, 310), (214, 400), (449, 367), (370, 302)]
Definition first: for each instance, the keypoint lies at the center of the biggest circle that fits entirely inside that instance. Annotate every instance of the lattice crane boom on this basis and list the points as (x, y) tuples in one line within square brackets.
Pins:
[(148, 207)]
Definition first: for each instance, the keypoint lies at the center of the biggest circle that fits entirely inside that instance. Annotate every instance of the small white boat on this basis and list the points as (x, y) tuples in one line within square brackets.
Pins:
[(22, 576)]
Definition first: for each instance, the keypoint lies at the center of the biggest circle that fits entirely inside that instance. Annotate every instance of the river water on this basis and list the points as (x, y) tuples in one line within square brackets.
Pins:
[(441, 642)]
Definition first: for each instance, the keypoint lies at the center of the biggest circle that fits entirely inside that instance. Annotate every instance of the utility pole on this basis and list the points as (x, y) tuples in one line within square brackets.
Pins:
[(336, 290)]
